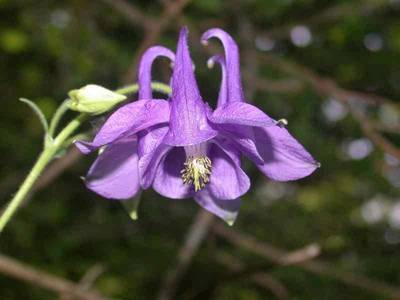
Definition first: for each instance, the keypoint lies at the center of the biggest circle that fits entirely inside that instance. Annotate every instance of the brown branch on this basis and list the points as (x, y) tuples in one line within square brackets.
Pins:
[(9, 183), (369, 130), (288, 85), (249, 61), (315, 266), (194, 237), (171, 11), (295, 257), (13, 268), (131, 13), (330, 15), (87, 280), (300, 255), (323, 85), (57, 167), (328, 87), (52, 172), (262, 279)]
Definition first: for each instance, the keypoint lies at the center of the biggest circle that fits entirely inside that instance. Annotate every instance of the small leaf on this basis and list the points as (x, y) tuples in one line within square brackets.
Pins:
[(131, 206), (37, 111)]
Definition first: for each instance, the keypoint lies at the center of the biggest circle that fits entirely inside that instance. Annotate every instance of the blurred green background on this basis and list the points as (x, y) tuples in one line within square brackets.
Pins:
[(350, 207)]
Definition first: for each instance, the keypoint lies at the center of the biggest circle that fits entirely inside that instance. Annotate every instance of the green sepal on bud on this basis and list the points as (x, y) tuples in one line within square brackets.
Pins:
[(93, 99)]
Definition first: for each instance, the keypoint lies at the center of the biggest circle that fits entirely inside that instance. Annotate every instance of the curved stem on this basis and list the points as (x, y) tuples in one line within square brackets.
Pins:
[(54, 145), (156, 86), (44, 158), (26, 186), (61, 110), (161, 88), (69, 129), (133, 88)]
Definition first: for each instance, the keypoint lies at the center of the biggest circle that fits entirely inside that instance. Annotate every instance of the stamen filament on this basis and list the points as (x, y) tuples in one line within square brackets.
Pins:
[(197, 171)]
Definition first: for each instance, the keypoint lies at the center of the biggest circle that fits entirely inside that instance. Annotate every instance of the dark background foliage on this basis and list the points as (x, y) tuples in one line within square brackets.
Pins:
[(319, 64)]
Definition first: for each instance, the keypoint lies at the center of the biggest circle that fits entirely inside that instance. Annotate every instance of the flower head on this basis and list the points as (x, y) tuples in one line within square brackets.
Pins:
[(183, 149)]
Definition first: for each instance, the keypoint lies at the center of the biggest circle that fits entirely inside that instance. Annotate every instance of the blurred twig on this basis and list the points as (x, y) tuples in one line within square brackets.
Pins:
[(292, 258), (87, 280), (131, 13), (330, 15), (50, 174), (195, 235), (322, 85), (287, 85), (57, 167), (249, 61), (328, 87), (91, 275), (10, 182), (16, 269), (314, 266), (171, 10), (261, 278)]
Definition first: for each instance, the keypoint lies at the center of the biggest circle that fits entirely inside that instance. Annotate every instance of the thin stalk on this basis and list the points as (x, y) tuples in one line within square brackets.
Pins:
[(26, 186), (61, 110), (52, 146), (155, 86), (133, 88), (44, 158)]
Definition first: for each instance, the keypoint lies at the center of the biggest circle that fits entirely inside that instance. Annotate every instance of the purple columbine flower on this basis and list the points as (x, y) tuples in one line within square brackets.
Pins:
[(183, 149)]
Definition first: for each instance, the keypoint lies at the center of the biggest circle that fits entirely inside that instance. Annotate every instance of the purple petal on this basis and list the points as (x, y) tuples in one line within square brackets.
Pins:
[(168, 181), (227, 181), (146, 62), (223, 90), (151, 151), (241, 113), (114, 174), (242, 138), (284, 157), (128, 119), (226, 210), (188, 121), (235, 91)]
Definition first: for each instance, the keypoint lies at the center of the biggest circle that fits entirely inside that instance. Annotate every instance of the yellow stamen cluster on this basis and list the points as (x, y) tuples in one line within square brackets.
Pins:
[(197, 171)]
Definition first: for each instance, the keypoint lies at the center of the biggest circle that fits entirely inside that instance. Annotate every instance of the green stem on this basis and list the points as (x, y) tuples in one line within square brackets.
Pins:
[(52, 146), (161, 88), (68, 130), (155, 86), (45, 157), (37, 169), (133, 88), (61, 110)]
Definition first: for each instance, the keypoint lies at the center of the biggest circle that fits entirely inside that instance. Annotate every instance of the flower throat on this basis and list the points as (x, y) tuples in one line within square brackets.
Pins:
[(197, 167)]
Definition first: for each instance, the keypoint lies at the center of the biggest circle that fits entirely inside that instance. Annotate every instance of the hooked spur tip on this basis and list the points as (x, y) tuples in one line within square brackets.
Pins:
[(204, 42), (230, 222), (210, 63), (282, 122)]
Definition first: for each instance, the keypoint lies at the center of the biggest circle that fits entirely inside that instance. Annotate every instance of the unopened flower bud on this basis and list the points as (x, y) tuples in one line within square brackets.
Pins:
[(94, 99)]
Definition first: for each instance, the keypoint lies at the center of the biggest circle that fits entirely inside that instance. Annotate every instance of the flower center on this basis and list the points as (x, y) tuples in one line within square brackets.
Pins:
[(197, 167)]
